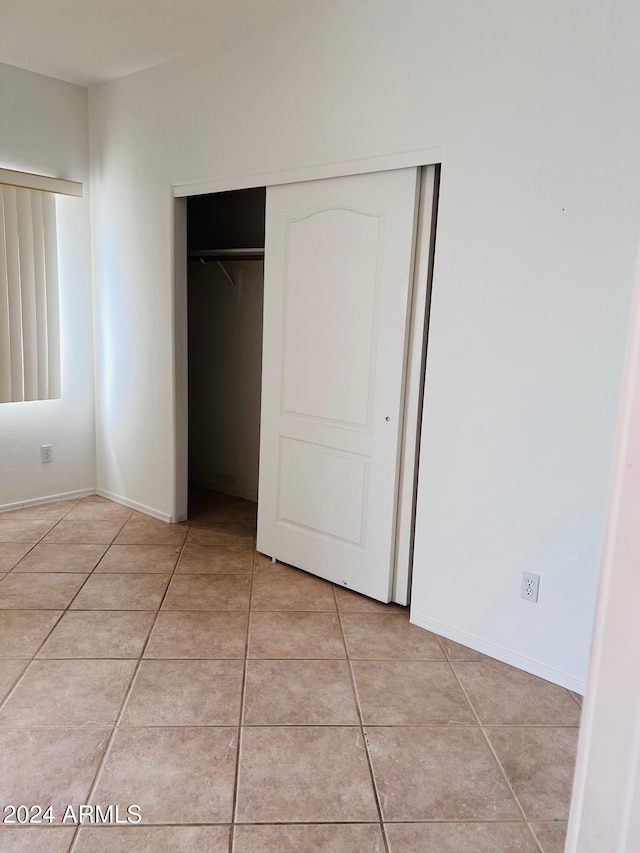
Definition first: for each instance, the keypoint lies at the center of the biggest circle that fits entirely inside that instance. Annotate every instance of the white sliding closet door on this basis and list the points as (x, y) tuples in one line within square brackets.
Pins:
[(338, 261)]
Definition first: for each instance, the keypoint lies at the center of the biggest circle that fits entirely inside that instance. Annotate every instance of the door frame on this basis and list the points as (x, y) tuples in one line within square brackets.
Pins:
[(409, 456), (414, 374)]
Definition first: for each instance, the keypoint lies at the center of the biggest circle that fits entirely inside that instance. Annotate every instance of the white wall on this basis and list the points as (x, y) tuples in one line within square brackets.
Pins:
[(225, 356), (45, 130), (534, 105), (605, 812)]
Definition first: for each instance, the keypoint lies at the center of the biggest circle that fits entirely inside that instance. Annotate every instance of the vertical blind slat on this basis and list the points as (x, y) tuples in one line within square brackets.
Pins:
[(14, 293), (40, 282), (5, 341), (28, 290), (29, 313), (53, 310)]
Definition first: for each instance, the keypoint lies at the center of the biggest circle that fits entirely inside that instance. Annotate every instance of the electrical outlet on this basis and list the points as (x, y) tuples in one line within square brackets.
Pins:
[(529, 587), (45, 453)]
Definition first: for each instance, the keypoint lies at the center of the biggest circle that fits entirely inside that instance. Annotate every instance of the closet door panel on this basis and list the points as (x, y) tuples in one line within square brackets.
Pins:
[(338, 261), (330, 300)]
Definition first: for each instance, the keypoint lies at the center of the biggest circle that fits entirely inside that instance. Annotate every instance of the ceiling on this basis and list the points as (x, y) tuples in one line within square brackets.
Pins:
[(86, 41)]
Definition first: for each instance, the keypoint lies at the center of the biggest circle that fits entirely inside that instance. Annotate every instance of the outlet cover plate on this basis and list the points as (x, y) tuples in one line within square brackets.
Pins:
[(530, 587), (45, 453)]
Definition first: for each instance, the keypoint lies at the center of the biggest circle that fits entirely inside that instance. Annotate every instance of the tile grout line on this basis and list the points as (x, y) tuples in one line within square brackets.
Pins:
[(65, 610), (363, 734), (35, 544), (123, 704), (532, 831), (236, 780), (39, 542), (493, 752), (16, 682)]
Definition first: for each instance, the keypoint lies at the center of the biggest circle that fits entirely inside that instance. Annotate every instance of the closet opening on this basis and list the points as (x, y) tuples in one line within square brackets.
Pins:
[(302, 392), (225, 288)]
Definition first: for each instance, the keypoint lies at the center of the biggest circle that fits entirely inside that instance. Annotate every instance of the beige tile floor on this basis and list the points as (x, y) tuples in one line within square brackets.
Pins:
[(250, 707)]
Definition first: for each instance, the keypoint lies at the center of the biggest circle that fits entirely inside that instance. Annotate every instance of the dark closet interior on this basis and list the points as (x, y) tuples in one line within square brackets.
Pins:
[(225, 241)]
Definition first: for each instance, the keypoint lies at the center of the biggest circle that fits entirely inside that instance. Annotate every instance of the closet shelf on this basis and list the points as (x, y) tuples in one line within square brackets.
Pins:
[(206, 255)]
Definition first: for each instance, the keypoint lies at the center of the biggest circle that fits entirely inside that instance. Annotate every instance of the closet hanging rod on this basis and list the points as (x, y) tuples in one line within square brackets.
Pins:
[(227, 254)]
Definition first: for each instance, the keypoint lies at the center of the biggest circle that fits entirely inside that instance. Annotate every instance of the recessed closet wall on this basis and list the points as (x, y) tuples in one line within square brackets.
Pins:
[(225, 298)]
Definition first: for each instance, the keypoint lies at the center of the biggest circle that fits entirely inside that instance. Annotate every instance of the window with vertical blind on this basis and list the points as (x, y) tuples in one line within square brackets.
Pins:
[(29, 322)]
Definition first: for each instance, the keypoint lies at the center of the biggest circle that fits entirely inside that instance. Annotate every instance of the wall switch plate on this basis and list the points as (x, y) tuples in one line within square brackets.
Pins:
[(45, 453), (529, 587)]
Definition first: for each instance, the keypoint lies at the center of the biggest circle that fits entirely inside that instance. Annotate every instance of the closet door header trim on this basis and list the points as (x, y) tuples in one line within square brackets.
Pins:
[(359, 166)]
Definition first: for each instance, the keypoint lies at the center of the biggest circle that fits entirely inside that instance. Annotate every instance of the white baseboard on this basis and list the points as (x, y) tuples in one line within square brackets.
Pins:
[(48, 499), (146, 510), (500, 653), (218, 487)]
